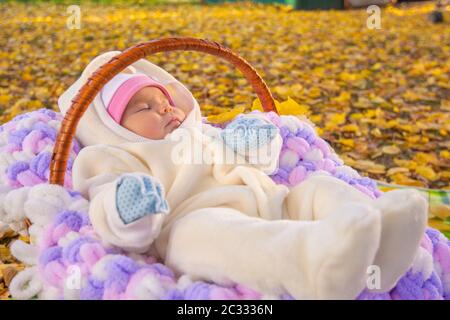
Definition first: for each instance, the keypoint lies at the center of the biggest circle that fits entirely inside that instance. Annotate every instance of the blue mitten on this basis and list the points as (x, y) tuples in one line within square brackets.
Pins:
[(248, 133), (138, 196)]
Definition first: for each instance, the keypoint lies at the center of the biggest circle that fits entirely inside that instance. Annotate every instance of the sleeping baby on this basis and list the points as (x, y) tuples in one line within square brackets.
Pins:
[(228, 221)]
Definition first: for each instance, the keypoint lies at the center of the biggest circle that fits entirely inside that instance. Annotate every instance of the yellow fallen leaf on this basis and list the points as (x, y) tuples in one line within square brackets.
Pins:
[(347, 142), (396, 170), (391, 150), (257, 105), (316, 118), (400, 178), (290, 107), (445, 154), (440, 210), (350, 128), (438, 224), (26, 76), (225, 116), (427, 172), (369, 166), (423, 158), (376, 132), (338, 118), (344, 97), (314, 93), (4, 99)]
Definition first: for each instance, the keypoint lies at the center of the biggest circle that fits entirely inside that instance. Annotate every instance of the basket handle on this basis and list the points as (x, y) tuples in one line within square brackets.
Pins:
[(118, 63)]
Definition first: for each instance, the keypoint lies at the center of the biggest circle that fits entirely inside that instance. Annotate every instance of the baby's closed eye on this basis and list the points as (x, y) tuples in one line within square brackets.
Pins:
[(144, 107)]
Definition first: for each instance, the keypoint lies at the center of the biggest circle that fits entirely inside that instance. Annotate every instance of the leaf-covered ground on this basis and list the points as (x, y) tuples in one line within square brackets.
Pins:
[(381, 97)]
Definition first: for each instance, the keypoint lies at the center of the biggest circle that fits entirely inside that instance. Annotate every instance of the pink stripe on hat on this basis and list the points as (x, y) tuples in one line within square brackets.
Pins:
[(119, 90)]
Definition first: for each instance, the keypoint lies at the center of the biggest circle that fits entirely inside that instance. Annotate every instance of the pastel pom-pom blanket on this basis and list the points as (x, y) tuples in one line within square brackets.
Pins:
[(67, 260)]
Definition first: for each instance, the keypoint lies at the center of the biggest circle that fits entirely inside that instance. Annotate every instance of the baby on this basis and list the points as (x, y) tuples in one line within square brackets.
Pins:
[(228, 222)]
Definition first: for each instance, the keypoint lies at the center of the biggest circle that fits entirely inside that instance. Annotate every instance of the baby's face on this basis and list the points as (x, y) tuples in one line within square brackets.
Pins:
[(149, 114)]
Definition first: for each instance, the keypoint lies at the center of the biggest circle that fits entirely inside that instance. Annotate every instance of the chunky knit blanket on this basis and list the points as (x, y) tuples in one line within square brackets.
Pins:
[(67, 260)]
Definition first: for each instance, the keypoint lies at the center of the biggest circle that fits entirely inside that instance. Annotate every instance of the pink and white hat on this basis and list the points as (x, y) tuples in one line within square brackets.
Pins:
[(119, 90)]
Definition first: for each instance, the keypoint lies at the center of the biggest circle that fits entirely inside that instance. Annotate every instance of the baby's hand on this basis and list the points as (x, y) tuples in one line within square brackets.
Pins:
[(248, 133), (138, 196)]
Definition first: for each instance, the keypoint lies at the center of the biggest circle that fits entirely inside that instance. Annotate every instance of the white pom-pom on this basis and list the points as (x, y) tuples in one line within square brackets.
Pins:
[(151, 288), (26, 123), (98, 271), (289, 158), (313, 155), (4, 190), (24, 155), (4, 136), (6, 159), (56, 124), (68, 238), (184, 282), (291, 122), (4, 227), (26, 284), (80, 204), (48, 148), (348, 171), (13, 210), (35, 231), (24, 252), (423, 262), (44, 202)]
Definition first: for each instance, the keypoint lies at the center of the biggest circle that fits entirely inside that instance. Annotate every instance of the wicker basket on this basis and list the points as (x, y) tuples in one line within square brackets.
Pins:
[(107, 71)]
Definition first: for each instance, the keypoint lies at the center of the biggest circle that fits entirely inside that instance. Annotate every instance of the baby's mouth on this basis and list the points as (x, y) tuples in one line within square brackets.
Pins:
[(173, 121)]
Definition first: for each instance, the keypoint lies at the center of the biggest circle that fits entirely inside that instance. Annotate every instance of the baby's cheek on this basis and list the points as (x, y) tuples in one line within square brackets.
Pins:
[(146, 126)]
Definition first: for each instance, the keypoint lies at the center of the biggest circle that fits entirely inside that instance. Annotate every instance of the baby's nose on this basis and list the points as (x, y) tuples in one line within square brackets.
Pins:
[(167, 108)]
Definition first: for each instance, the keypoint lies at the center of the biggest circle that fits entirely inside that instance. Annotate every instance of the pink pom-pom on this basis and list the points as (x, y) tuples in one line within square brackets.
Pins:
[(91, 253), (14, 184), (59, 232), (43, 143), (28, 179), (442, 252), (427, 244), (297, 144), (54, 273), (30, 142), (10, 148), (327, 165), (68, 181), (274, 118), (247, 293), (323, 146), (297, 175)]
